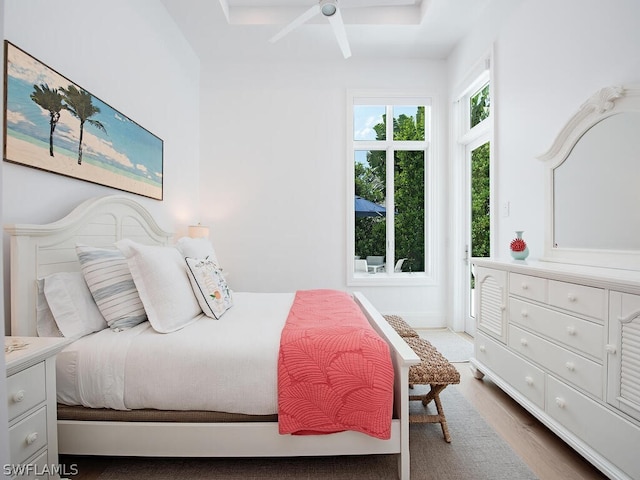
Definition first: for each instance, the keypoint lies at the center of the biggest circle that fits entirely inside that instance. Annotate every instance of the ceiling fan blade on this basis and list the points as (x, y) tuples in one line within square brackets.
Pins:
[(225, 9), (341, 35), (374, 3), (305, 17)]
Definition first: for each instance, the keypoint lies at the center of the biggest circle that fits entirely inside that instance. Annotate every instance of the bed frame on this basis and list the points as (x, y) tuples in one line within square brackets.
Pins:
[(39, 250)]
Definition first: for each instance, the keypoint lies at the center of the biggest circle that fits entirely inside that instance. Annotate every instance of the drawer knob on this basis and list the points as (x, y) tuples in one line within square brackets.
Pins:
[(18, 396), (529, 380), (525, 286), (571, 330), (570, 366), (31, 438), (610, 348), (571, 297), (560, 402), (482, 348), (523, 342), (524, 314)]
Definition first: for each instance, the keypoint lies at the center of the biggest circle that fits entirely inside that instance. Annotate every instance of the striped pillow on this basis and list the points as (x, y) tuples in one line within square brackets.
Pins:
[(111, 284)]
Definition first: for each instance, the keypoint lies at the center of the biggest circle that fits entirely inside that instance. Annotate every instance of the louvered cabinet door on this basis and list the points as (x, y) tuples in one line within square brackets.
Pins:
[(491, 302), (623, 349)]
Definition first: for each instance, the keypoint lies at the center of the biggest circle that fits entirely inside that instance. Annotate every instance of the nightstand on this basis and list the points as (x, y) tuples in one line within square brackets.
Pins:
[(31, 403)]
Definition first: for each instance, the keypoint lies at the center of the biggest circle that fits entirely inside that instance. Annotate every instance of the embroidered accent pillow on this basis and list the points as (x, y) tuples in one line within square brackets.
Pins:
[(209, 286), (111, 284)]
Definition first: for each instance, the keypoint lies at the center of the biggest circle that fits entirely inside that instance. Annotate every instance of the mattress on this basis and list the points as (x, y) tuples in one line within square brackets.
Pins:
[(226, 365)]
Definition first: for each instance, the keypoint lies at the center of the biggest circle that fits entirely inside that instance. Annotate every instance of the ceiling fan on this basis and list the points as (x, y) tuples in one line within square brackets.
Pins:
[(331, 10)]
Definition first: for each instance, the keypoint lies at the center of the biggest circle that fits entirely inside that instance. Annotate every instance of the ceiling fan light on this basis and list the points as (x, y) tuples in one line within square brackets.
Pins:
[(328, 9)]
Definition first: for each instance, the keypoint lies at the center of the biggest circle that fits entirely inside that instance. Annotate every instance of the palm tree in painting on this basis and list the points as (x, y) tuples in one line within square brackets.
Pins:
[(51, 100), (78, 103)]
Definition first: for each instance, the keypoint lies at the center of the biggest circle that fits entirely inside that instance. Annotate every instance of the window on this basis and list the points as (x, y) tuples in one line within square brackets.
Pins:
[(480, 212), (388, 191)]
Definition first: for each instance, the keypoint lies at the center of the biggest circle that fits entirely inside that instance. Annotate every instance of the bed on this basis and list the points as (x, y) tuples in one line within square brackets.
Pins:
[(38, 251)]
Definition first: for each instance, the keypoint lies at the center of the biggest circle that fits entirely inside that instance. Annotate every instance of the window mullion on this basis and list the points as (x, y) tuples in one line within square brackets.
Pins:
[(390, 206)]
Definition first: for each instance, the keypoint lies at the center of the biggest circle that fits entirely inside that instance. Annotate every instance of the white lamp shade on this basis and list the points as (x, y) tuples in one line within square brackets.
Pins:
[(198, 231)]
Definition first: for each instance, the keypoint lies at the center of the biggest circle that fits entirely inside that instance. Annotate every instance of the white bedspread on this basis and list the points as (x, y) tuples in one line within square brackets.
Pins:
[(227, 365)]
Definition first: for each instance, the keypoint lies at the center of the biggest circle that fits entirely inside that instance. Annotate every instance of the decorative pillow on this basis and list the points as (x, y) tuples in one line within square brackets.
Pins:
[(45, 323), (72, 305), (196, 248), (161, 278), (109, 280), (209, 286)]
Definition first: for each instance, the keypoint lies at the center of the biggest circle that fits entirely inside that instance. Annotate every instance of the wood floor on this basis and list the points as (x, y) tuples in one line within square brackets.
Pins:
[(543, 451), (546, 454)]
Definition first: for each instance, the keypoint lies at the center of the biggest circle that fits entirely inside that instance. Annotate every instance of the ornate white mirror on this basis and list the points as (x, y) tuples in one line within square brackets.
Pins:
[(593, 183)]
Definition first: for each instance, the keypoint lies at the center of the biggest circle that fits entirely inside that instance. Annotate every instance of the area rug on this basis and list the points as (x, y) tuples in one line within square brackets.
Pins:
[(475, 453), (454, 346)]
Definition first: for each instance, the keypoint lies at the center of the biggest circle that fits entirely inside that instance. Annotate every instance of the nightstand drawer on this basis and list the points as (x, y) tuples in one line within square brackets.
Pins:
[(33, 469), (25, 390), (578, 298), (28, 436), (533, 288)]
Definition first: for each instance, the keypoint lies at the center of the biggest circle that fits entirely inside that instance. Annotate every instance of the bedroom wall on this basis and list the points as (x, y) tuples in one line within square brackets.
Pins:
[(4, 418), (273, 173), (132, 56), (549, 58)]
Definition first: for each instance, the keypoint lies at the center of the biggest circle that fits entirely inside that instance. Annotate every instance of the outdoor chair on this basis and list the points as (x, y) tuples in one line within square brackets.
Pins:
[(361, 266), (375, 263)]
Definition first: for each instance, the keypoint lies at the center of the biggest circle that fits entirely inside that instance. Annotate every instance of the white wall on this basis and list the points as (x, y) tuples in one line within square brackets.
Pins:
[(550, 57), (273, 173), (132, 56), (4, 433)]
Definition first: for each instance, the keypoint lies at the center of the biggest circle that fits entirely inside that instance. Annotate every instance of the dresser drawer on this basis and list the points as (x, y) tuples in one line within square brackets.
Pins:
[(533, 288), (588, 301), (587, 420), (520, 374), (572, 367), (577, 333), (25, 390), (28, 436)]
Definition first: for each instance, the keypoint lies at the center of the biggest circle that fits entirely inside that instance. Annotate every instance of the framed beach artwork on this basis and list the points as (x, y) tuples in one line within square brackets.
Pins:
[(55, 125)]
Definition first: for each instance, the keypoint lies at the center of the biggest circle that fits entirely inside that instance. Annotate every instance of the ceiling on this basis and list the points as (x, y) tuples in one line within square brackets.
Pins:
[(412, 29)]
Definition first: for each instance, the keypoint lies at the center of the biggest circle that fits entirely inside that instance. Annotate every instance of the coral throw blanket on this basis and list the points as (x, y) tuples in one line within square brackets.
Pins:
[(334, 371)]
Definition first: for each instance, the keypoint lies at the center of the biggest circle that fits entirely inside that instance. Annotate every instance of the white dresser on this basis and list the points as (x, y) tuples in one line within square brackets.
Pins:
[(31, 404), (564, 341)]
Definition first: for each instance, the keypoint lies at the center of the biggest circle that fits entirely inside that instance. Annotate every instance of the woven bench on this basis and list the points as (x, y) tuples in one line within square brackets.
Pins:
[(434, 370), (401, 327)]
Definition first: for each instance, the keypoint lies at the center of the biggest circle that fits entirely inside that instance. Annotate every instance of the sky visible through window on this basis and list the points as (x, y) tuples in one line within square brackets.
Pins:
[(366, 117)]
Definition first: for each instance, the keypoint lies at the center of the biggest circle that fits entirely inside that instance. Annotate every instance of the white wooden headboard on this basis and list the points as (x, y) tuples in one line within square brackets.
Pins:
[(39, 250)]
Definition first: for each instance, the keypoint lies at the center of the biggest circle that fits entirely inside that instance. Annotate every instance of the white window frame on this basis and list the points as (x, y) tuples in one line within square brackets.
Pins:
[(464, 140), (390, 98)]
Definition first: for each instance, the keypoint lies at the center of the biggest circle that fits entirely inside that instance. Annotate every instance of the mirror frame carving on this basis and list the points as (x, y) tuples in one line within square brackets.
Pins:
[(604, 103)]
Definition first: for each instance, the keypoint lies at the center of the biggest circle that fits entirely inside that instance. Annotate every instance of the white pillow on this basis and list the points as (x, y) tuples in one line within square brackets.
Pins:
[(107, 274), (45, 323), (196, 248), (161, 278), (209, 286), (72, 305)]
